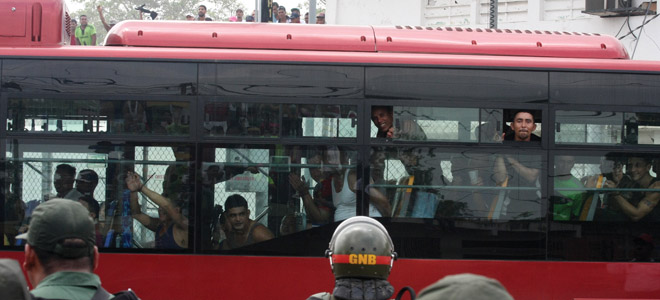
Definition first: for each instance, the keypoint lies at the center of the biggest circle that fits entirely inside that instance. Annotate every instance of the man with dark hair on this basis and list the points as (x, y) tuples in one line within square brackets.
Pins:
[(201, 12), (86, 182), (239, 15), (519, 171), (281, 15), (276, 8), (295, 15), (639, 205), (85, 33), (242, 230), (63, 179), (320, 18), (522, 126), (60, 254)]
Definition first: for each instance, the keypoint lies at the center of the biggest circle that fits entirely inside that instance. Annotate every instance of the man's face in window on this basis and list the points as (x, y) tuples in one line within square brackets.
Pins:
[(523, 125), (238, 218), (63, 182)]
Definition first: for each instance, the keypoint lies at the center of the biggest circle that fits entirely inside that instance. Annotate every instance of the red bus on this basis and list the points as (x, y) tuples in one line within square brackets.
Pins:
[(284, 116)]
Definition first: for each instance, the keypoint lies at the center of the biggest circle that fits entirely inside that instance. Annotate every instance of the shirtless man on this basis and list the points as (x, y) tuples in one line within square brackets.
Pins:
[(242, 230)]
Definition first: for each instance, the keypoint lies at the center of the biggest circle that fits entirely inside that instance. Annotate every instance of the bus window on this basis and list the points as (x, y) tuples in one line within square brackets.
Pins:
[(424, 123), (242, 119), (286, 190), (93, 175), (591, 127), (606, 188), (263, 119), (641, 128), (98, 116), (314, 120), (422, 182)]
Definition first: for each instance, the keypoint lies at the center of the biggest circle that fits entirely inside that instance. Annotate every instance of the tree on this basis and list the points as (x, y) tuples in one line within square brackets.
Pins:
[(116, 11)]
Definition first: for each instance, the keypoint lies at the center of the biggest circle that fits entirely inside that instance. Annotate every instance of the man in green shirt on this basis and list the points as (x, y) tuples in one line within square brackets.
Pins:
[(85, 33), (60, 254), (567, 204)]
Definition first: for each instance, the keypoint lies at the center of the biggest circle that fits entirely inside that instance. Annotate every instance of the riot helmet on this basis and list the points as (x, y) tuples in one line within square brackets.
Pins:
[(361, 248)]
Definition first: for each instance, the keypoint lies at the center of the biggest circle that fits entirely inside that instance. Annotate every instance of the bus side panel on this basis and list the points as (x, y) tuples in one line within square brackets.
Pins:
[(155, 276)]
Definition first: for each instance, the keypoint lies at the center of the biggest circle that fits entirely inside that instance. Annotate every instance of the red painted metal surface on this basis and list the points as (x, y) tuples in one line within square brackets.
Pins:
[(407, 39), (498, 42), (333, 57), (32, 23), (155, 276), (184, 34)]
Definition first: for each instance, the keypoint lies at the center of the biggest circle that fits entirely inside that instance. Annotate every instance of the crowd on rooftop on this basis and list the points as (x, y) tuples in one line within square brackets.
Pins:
[(85, 33)]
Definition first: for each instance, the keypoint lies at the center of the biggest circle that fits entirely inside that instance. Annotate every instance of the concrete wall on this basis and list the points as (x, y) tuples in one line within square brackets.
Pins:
[(554, 15)]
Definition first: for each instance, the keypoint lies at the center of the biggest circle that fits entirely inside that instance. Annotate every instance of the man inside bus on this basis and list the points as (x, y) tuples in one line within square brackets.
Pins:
[(242, 230), (171, 226), (567, 204), (522, 128), (61, 253), (383, 119), (511, 172), (63, 179), (86, 182), (318, 205), (85, 33), (641, 206), (201, 13)]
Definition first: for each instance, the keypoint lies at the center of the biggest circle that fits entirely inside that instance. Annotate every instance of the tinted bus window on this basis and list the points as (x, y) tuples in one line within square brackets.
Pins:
[(409, 123), (99, 77), (289, 81), (456, 85), (423, 182), (613, 187), (591, 127), (151, 211), (606, 127), (281, 190), (98, 116), (604, 89), (274, 119)]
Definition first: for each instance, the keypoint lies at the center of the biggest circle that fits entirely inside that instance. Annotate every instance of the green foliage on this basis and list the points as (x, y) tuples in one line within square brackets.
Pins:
[(116, 11)]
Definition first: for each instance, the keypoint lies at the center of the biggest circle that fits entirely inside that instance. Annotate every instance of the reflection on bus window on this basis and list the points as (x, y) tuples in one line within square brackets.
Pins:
[(287, 189), (424, 123), (263, 120), (425, 183), (92, 175), (592, 127), (98, 116), (612, 187), (641, 128)]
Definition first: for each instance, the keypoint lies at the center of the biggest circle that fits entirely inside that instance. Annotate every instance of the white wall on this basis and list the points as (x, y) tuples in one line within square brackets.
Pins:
[(553, 15)]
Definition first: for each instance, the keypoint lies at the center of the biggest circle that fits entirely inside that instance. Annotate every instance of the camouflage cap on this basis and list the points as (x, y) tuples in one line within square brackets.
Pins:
[(59, 219)]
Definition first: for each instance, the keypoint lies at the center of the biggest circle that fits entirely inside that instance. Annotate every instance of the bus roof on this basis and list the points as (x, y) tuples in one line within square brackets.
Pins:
[(404, 39)]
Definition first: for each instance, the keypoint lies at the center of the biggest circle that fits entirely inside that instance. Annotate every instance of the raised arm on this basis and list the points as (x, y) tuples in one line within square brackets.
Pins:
[(137, 186), (136, 210), (105, 24), (313, 211)]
